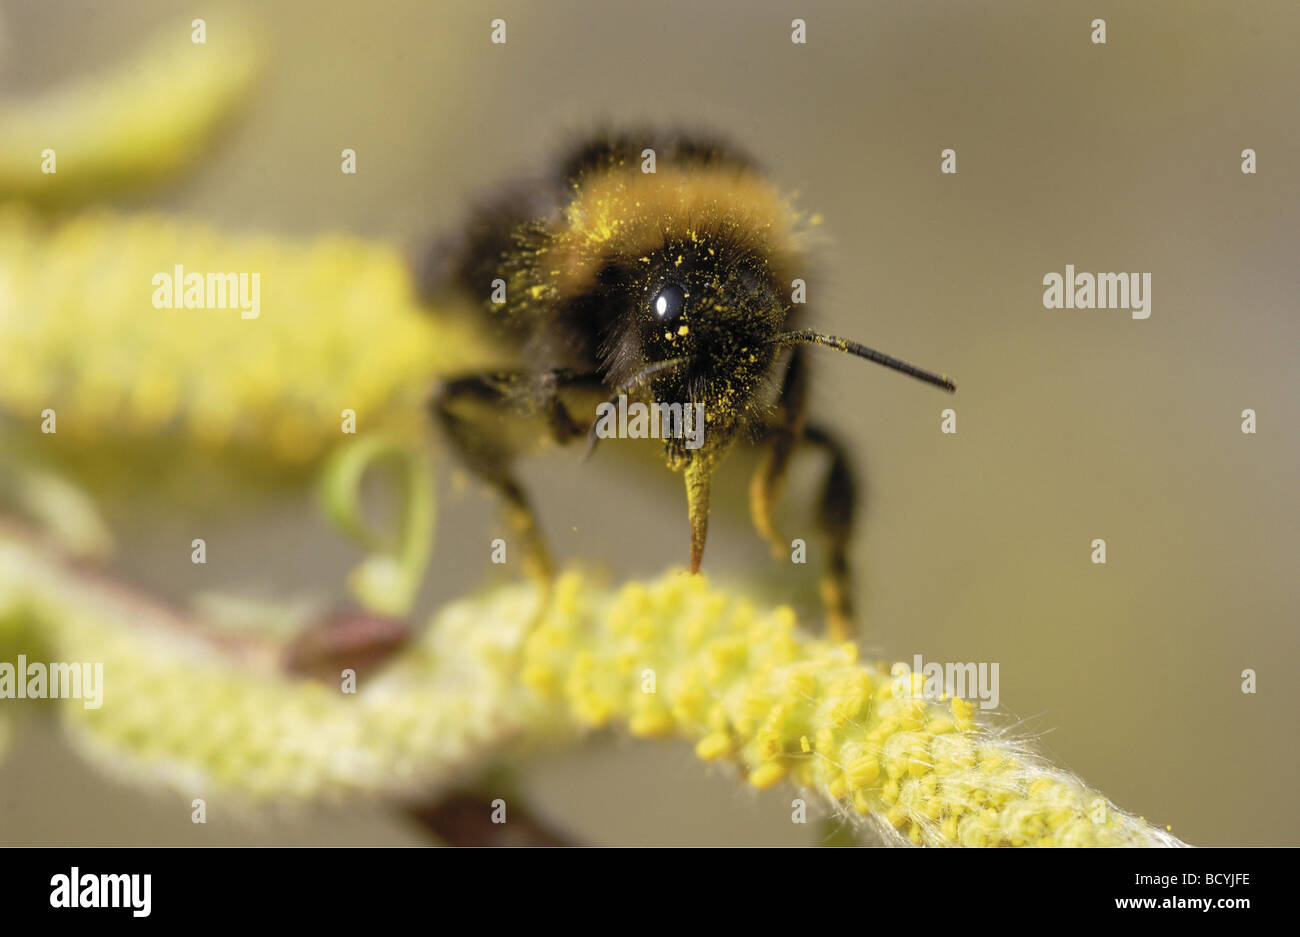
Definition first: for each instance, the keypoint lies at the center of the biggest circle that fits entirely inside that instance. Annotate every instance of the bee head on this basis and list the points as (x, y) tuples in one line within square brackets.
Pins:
[(695, 328)]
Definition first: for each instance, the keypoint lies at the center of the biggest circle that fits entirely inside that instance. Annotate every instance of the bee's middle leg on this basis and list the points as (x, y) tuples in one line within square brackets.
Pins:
[(835, 514), (836, 507), (780, 442)]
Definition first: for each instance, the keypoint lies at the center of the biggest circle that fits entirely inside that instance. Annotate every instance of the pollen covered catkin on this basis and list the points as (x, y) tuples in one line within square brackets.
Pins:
[(672, 658), (751, 689)]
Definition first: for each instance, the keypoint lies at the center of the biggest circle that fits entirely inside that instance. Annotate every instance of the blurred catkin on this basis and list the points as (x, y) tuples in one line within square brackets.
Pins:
[(145, 118), (339, 329), (132, 384)]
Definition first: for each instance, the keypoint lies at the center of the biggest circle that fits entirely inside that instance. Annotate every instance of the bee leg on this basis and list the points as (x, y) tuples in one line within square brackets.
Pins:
[(522, 517), (835, 512), (783, 437), (482, 450), (699, 484), (765, 487), (481, 446)]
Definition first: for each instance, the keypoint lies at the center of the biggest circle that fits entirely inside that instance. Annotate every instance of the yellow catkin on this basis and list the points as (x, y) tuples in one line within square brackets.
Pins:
[(144, 118), (863, 772), (176, 709), (713, 746), (339, 329)]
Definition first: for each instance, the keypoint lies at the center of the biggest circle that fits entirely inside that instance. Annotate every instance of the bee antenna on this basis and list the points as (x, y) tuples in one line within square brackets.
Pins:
[(641, 374), (812, 337)]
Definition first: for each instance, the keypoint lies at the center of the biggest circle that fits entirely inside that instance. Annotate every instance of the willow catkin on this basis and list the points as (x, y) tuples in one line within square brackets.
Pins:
[(339, 328), (671, 658), (141, 119)]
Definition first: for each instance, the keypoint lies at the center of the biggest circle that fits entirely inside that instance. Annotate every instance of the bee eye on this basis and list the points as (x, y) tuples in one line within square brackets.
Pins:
[(669, 303)]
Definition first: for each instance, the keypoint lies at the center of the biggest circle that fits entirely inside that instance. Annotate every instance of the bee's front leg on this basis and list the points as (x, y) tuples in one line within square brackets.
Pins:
[(478, 414)]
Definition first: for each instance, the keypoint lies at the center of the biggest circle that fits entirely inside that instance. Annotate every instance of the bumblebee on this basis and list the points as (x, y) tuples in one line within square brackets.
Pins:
[(660, 268)]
